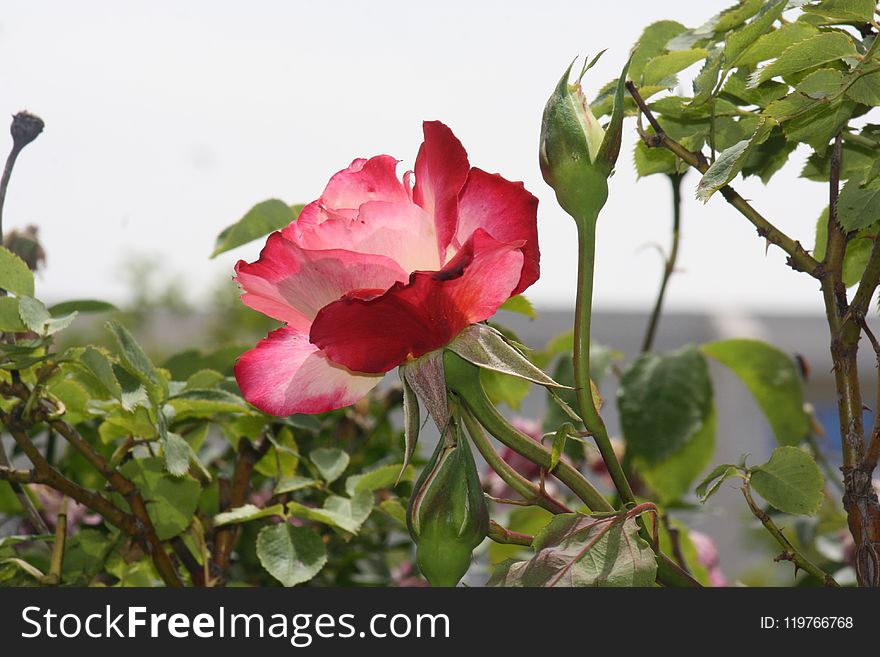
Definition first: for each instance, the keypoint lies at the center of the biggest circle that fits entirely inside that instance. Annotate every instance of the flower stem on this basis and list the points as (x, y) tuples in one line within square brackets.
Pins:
[(530, 491), (464, 378), (583, 315)]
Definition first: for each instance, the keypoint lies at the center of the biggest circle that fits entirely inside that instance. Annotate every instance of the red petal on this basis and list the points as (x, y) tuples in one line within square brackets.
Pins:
[(409, 320), (507, 211), (441, 171), (285, 374)]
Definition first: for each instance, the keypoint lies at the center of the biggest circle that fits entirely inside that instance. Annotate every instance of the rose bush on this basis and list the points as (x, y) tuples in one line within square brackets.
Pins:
[(379, 271)]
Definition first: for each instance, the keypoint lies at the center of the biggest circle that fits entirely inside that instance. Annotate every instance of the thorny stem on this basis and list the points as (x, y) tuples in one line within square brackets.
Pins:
[(530, 491), (798, 258), (791, 552), (845, 323), (224, 537), (669, 266)]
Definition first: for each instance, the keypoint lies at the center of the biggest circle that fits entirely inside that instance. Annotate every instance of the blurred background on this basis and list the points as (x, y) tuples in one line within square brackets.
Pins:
[(165, 122)]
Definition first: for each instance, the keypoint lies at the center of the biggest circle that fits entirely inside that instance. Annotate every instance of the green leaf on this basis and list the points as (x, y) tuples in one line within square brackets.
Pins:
[(37, 318), (346, 514), (771, 377), (292, 555), (486, 347), (651, 43), (771, 44), (865, 89), (860, 11), (579, 550), (206, 403), (729, 163), (707, 79), (177, 453), (521, 305), (857, 206), (171, 501), (736, 88), (740, 41), (823, 83), (136, 362), (661, 70), (74, 397), (649, 160), (504, 388), (331, 462), (558, 445), (15, 276), (671, 478), (100, 366), (395, 509), (246, 513), (714, 479), (385, 476), (858, 249), (723, 169), (769, 157), (789, 481), (813, 51), (855, 159), (293, 483), (260, 220), (82, 306), (10, 320), (818, 126), (664, 399)]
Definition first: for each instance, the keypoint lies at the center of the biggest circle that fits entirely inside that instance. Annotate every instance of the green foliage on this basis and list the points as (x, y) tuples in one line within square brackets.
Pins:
[(15, 276), (790, 481), (259, 221), (664, 400), (771, 377), (292, 555)]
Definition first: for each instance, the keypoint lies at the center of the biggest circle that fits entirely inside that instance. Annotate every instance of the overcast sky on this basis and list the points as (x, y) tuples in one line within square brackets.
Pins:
[(167, 121)]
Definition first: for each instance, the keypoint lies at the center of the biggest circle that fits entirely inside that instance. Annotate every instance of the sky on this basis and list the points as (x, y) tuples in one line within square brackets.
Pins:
[(165, 122)]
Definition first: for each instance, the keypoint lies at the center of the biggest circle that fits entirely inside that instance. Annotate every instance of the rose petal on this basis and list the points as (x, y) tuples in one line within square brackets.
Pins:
[(286, 374), (441, 171), (403, 232), (364, 180), (507, 211), (409, 320), (292, 284)]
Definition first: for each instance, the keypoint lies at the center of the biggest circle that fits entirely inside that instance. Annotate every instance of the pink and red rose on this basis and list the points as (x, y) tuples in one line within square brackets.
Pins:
[(379, 271)]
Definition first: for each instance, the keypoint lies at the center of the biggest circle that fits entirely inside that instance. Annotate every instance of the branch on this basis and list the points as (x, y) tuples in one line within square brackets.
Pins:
[(27, 504), (798, 258), (791, 552), (224, 537), (669, 266)]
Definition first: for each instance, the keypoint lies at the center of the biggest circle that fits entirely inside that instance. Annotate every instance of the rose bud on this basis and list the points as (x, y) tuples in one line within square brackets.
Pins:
[(447, 515), (576, 154)]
